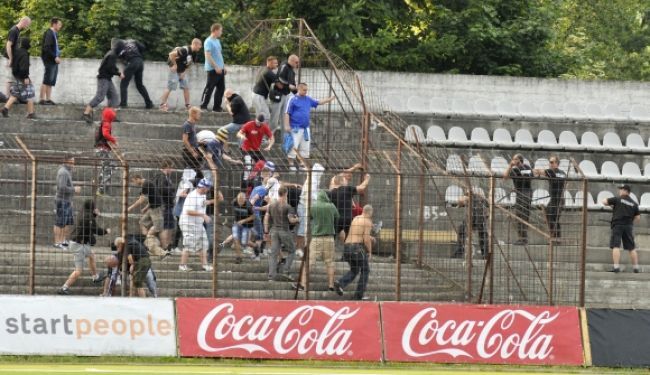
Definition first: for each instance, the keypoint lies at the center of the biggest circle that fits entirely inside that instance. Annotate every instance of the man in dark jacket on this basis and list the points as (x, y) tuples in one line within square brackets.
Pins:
[(50, 54), (130, 51), (10, 47), (22, 88), (82, 240), (238, 110), (105, 87)]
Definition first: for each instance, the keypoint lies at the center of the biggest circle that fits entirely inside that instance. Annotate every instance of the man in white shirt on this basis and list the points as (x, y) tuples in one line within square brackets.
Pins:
[(193, 216)]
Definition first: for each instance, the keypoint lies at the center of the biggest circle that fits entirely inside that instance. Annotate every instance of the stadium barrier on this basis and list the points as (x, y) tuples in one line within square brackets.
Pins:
[(618, 338), (87, 326)]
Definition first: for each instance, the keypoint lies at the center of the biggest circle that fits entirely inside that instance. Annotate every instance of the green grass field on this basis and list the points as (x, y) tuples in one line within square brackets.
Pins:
[(146, 366)]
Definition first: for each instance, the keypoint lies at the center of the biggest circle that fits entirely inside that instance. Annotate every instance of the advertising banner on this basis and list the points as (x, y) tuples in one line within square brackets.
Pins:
[(279, 329), (456, 333), (619, 338), (87, 326)]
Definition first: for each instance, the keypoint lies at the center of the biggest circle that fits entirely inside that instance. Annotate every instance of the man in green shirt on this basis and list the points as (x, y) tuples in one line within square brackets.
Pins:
[(323, 216)]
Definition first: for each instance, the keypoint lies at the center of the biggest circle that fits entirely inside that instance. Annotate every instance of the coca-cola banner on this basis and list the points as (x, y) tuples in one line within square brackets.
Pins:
[(278, 329), (457, 333)]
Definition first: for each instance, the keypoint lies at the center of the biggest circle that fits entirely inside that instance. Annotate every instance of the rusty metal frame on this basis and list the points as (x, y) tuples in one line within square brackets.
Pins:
[(32, 218)]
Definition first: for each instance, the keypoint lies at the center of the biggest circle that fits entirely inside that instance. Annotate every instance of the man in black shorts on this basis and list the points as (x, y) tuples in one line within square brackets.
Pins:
[(626, 213), (521, 175)]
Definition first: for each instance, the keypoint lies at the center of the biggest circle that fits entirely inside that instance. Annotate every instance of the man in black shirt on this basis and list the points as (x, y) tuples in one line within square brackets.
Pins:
[(265, 80), (130, 51), (478, 211), (341, 195), (139, 264), (556, 182), (152, 221), (521, 175), (180, 58), (105, 87), (626, 213), (285, 85), (50, 54), (167, 192), (238, 110), (10, 47)]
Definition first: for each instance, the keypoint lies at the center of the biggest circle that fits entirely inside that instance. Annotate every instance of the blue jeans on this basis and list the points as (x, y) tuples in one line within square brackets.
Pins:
[(210, 233), (357, 258)]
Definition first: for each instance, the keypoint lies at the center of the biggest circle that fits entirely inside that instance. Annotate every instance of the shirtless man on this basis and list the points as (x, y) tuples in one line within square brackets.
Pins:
[(357, 252)]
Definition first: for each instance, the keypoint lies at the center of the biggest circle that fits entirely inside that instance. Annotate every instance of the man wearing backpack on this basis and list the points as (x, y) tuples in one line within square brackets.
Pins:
[(104, 143)]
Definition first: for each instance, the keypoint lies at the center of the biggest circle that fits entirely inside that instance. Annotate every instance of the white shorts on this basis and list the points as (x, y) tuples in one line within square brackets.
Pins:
[(299, 144), (194, 238)]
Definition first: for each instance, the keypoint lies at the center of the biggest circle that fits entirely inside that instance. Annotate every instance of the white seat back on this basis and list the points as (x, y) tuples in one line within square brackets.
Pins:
[(414, 134)]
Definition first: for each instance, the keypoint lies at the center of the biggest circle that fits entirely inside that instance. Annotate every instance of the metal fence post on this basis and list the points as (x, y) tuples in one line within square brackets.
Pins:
[(32, 217), (583, 244)]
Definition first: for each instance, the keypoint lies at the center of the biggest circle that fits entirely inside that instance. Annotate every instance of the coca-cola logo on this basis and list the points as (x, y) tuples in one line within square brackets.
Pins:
[(507, 333), (291, 332)]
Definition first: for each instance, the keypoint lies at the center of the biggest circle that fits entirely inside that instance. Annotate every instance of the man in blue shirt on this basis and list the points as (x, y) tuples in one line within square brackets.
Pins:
[(215, 68), (296, 121), (259, 201)]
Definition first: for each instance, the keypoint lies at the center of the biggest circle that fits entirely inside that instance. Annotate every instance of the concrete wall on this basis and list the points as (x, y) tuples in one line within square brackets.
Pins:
[(406, 92)]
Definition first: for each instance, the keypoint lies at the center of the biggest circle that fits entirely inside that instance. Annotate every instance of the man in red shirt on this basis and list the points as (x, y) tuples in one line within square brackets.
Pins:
[(252, 134)]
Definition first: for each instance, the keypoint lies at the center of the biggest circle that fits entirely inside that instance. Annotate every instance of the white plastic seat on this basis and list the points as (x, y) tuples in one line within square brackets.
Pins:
[(414, 134), (523, 137), (541, 197), (644, 203), (483, 107), (506, 108), (501, 198), (455, 164), (461, 107), (602, 196), (546, 139), (551, 110), (541, 163), (640, 113), (589, 169), (567, 167), (478, 191), (569, 202), (453, 194), (477, 167), (635, 142), (480, 136), (590, 141), (646, 171), (528, 109), (595, 111), (498, 165), (457, 136), (610, 170), (631, 171), (591, 205), (569, 141), (634, 198), (573, 110), (436, 135), (502, 138), (612, 142)]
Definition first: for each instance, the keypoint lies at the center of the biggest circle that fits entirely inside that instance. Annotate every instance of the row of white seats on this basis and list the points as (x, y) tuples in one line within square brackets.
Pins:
[(541, 198), (589, 141), (609, 170), (532, 109)]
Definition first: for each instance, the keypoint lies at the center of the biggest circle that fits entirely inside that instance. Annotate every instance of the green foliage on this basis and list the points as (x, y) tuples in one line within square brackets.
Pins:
[(596, 39)]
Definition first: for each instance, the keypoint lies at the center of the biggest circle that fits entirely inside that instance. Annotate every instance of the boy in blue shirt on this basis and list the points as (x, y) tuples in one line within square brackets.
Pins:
[(296, 122), (215, 68)]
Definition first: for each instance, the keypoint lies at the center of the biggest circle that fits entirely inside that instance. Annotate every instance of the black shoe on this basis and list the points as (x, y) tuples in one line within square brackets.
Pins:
[(458, 255), (296, 286), (42, 102), (238, 260), (5, 112), (124, 105), (521, 241), (3, 98), (49, 102), (338, 289), (636, 270), (99, 278), (63, 291), (148, 106), (615, 270), (88, 118), (31, 116)]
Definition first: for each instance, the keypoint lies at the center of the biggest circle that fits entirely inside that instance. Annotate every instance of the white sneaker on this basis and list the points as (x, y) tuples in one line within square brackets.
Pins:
[(255, 257), (248, 250), (176, 251), (293, 169), (207, 267), (184, 268)]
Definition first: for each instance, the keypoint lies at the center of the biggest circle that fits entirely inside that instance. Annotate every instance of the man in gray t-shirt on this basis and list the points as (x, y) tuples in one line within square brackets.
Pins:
[(63, 203), (279, 216)]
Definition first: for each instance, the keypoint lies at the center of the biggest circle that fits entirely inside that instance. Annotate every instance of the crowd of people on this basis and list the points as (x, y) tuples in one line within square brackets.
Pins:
[(269, 216)]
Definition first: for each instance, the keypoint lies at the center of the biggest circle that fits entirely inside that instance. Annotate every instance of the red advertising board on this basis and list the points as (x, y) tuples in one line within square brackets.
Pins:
[(278, 329), (456, 333)]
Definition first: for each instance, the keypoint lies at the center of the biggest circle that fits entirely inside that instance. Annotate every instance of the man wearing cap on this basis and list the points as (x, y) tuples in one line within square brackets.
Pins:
[(625, 214), (252, 134), (195, 238), (213, 145), (296, 122)]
